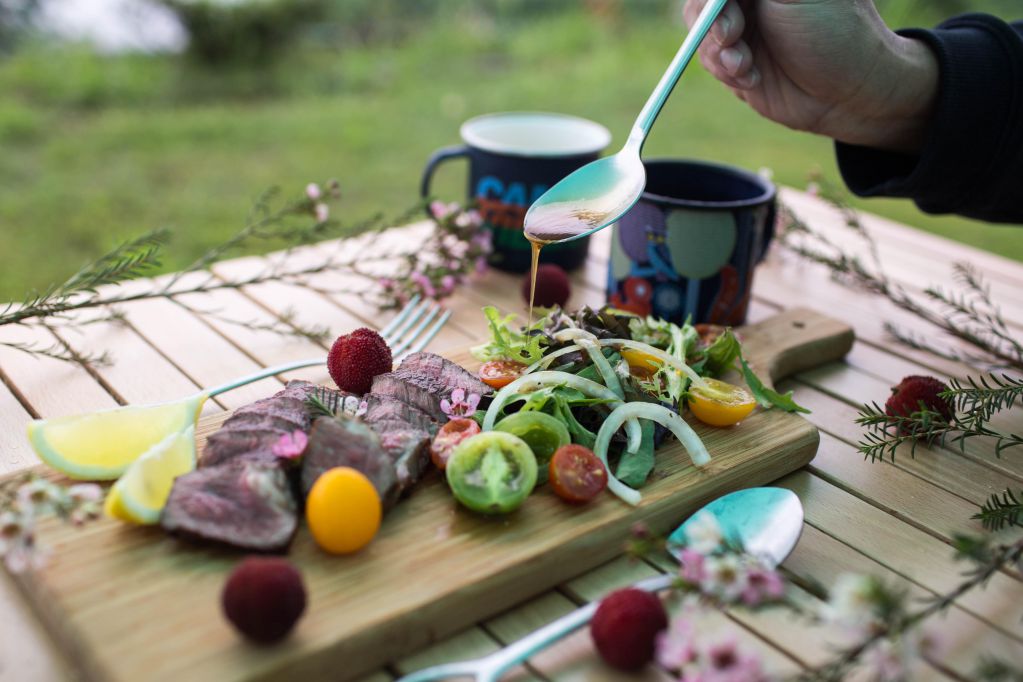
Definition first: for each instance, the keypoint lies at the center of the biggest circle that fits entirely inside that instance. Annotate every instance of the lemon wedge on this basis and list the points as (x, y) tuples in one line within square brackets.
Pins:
[(100, 446), (141, 493)]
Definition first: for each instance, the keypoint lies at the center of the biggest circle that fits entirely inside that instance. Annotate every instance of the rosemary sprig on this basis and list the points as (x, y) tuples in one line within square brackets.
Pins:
[(1001, 510), (885, 433), (323, 402)]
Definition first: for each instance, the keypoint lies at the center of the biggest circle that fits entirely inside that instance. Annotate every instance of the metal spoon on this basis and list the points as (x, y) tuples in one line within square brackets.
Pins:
[(766, 522), (600, 192)]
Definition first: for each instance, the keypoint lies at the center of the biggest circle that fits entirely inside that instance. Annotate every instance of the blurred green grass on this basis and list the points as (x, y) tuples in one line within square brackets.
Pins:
[(95, 149)]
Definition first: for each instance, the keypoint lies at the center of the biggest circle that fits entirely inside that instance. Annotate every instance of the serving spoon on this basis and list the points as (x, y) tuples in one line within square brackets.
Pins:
[(601, 192), (765, 522)]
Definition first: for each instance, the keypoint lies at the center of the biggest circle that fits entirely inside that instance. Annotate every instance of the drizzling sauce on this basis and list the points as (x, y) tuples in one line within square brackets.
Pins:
[(555, 223)]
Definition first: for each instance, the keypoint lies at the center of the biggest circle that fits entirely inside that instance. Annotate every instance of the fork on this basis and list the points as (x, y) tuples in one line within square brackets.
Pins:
[(400, 335)]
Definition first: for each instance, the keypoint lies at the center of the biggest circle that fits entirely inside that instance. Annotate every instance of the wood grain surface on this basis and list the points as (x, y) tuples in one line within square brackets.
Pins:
[(433, 569)]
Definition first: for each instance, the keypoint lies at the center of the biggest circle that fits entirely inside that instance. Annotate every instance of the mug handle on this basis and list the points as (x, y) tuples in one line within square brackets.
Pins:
[(436, 159), (769, 230)]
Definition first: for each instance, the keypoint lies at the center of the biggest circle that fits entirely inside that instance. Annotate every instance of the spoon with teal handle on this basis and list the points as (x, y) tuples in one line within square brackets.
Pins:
[(601, 192), (765, 522)]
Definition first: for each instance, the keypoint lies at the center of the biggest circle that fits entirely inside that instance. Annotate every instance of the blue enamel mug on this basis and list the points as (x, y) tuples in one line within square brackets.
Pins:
[(689, 246)]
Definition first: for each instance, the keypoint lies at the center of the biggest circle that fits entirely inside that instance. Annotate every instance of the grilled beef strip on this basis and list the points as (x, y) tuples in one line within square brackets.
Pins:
[(243, 503), (253, 430), (424, 379), (342, 441)]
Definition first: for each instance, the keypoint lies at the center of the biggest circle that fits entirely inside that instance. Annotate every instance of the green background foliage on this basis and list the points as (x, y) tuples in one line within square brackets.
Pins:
[(94, 149)]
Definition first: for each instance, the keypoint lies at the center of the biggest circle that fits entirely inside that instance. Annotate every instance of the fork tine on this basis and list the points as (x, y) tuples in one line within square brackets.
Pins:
[(413, 317), (411, 336), (400, 317), (428, 337), (443, 672)]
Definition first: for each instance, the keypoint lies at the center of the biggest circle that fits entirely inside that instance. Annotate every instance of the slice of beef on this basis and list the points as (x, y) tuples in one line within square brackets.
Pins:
[(408, 448), (243, 503), (446, 372), (387, 410), (253, 429), (337, 442)]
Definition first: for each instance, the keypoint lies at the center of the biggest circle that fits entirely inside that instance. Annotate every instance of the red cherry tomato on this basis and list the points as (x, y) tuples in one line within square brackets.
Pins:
[(576, 474), (500, 373), (450, 435)]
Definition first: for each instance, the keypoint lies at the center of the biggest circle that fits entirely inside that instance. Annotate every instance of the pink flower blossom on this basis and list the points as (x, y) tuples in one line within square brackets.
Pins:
[(448, 283), (481, 265), (85, 492), (424, 284), (322, 212), (460, 405), (290, 445), (675, 645), (439, 210), (313, 191), (724, 661), (483, 240), (692, 570), (762, 584), (724, 577)]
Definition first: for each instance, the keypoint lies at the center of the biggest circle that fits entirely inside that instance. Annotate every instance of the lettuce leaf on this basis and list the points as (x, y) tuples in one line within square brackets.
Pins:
[(508, 343), (635, 467), (766, 397), (721, 354)]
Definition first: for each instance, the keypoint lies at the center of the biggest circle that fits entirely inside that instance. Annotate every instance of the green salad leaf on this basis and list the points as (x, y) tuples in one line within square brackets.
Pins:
[(508, 343), (721, 354), (635, 467), (766, 397)]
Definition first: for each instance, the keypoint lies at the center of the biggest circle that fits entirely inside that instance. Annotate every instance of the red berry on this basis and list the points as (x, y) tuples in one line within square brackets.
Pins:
[(552, 286), (625, 627), (263, 598), (356, 358), (915, 393)]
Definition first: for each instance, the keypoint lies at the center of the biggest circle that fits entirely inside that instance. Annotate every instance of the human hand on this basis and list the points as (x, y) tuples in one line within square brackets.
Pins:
[(830, 67)]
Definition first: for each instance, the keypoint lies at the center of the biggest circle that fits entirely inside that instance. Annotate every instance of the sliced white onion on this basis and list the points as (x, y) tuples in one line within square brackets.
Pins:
[(545, 361), (573, 334), (656, 413), (667, 358), (611, 379), (537, 380)]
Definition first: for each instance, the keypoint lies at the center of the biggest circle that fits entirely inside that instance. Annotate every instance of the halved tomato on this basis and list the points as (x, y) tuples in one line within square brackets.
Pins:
[(720, 403), (492, 473), (641, 364), (500, 373), (576, 474), (450, 435)]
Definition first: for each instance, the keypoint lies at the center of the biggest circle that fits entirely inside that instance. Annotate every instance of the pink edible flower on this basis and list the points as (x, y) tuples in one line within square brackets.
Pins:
[(290, 445), (724, 661), (448, 283), (675, 648), (762, 584), (313, 191), (460, 405), (692, 570), (322, 212), (440, 210)]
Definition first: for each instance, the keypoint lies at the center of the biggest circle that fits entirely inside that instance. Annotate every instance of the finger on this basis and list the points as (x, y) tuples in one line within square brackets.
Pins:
[(711, 60), (737, 59), (730, 25), (691, 10)]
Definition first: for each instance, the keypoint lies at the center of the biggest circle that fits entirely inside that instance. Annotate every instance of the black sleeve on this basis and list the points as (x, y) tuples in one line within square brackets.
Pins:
[(972, 159)]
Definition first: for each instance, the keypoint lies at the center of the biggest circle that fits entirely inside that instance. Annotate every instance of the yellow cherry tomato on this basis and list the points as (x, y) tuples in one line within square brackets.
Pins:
[(343, 510), (641, 364), (720, 403)]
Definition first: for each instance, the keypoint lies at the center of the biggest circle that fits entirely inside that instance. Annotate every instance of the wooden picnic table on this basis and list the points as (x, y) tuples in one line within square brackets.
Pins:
[(894, 520)]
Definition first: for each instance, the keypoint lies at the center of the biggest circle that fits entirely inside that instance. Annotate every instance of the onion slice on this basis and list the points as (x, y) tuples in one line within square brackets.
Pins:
[(611, 379), (667, 358), (656, 413), (545, 361), (537, 380)]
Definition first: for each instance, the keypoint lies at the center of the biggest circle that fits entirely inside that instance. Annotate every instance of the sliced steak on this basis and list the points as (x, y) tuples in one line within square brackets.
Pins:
[(337, 442), (387, 410), (446, 372), (254, 429), (408, 448), (243, 503)]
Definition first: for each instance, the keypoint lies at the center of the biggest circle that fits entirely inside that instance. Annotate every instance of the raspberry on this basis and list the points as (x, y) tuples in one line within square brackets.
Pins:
[(552, 286), (356, 358), (263, 598), (915, 393), (625, 627)]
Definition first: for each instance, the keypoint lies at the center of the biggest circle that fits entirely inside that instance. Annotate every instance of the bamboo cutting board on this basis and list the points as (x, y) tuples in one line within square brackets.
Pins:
[(127, 603)]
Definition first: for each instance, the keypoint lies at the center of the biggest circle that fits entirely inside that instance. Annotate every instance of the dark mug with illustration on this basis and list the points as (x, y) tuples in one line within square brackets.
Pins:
[(513, 159), (688, 248)]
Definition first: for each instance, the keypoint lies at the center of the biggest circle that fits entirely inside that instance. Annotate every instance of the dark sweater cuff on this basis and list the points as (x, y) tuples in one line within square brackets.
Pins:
[(975, 124)]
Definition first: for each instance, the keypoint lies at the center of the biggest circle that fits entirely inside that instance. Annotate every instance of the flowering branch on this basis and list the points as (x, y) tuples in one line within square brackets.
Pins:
[(454, 250), (24, 499)]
